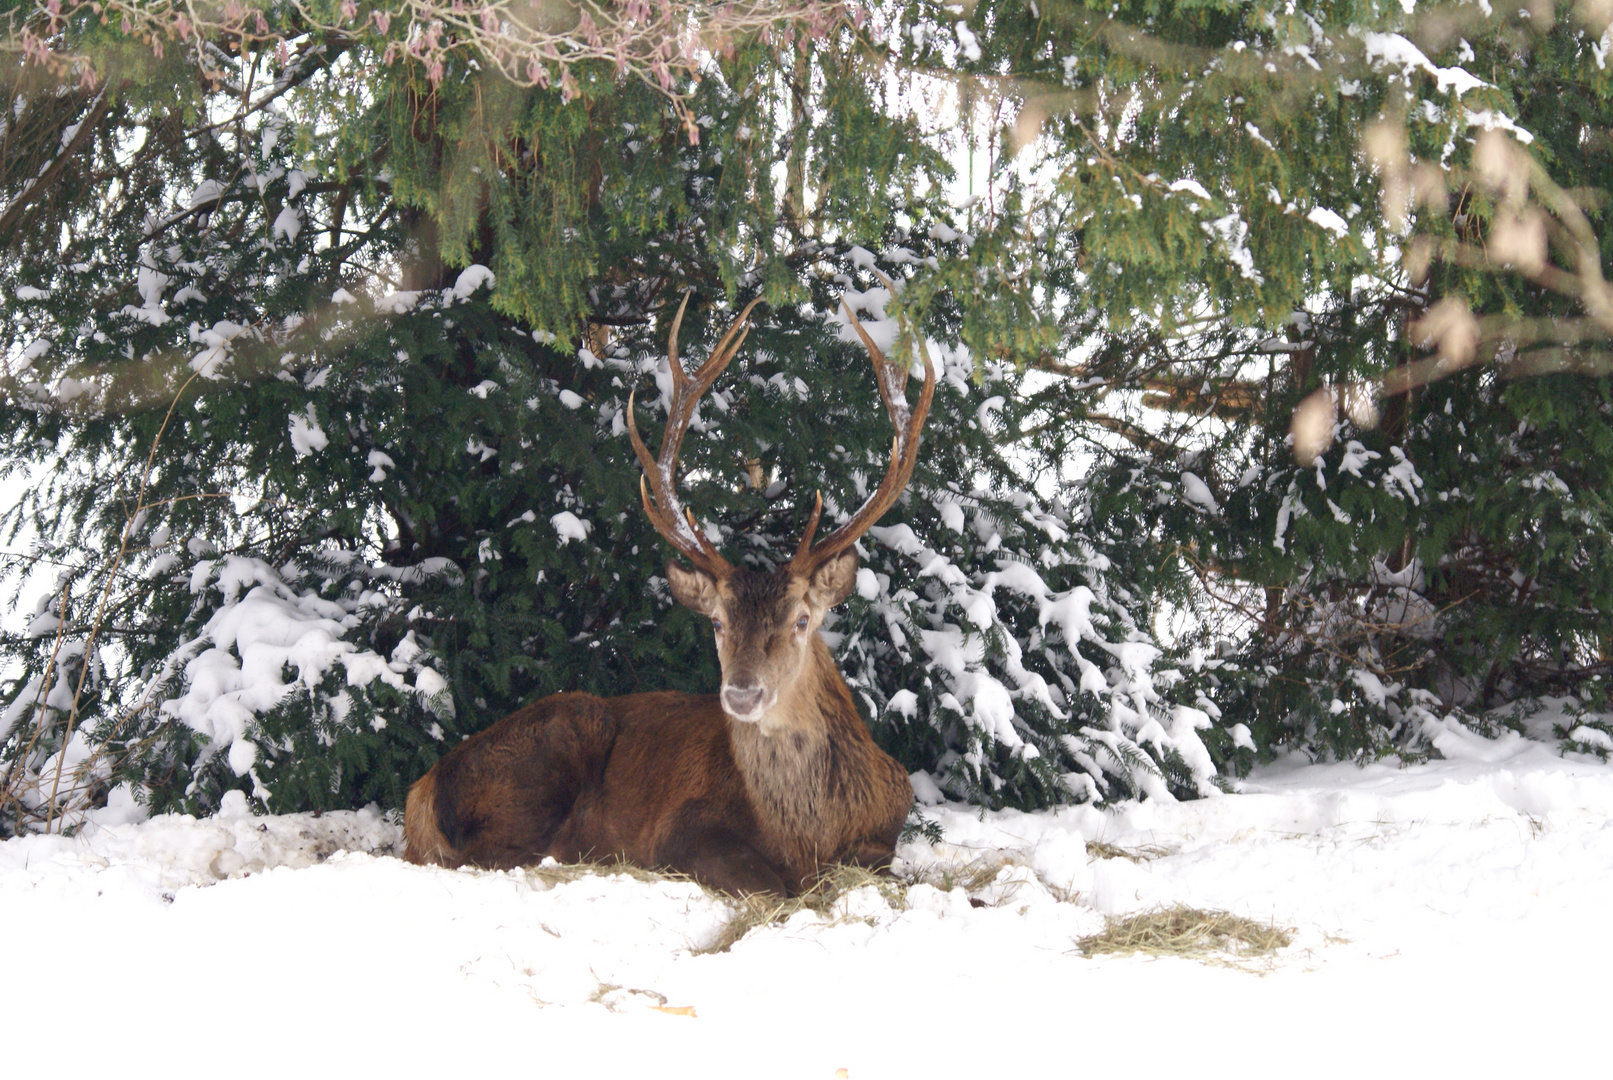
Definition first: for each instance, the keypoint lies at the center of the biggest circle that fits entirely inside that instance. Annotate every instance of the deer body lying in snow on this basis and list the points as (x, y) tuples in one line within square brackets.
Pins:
[(754, 789)]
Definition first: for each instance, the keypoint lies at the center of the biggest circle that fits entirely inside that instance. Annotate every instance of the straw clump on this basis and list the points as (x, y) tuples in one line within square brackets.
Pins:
[(1190, 933), (759, 909)]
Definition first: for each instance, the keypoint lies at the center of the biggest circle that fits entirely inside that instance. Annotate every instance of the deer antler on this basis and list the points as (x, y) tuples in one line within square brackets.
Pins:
[(892, 380), (671, 519)]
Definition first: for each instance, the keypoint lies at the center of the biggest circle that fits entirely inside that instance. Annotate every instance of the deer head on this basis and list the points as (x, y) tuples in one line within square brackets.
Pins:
[(766, 624)]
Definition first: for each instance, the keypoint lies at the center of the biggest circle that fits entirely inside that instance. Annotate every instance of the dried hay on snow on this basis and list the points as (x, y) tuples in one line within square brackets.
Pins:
[(759, 909), (1098, 849), (1190, 933)]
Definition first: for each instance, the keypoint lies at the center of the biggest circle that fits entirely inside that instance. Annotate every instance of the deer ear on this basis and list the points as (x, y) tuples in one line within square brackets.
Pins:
[(833, 581), (694, 589)]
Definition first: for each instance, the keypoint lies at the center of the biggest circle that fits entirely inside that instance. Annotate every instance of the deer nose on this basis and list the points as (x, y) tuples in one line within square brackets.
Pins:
[(741, 700)]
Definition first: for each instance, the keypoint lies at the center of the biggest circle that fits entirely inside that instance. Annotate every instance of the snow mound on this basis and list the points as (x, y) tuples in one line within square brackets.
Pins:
[(1405, 889), (175, 851)]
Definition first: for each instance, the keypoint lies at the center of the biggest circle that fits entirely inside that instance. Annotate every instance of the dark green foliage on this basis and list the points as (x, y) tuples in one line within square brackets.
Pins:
[(344, 427), (265, 345), (1250, 204)]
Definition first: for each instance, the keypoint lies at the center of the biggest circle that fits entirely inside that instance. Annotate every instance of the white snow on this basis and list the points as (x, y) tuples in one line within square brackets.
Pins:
[(1395, 50), (967, 39), (1192, 187), (1322, 217), (1490, 120), (287, 224), (208, 191), (237, 670), (1197, 492), (218, 341), (428, 683), (400, 302), (267, 640), (379, 462), (570, 527), (307, 437), (470, 279), (1445, 919), (1232, 231)]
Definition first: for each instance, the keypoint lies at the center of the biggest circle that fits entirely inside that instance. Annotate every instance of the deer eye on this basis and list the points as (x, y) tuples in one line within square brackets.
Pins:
[(716, 626), (801, 625)]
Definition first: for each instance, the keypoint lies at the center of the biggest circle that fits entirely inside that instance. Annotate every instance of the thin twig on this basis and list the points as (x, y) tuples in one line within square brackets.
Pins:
[(106, 597)]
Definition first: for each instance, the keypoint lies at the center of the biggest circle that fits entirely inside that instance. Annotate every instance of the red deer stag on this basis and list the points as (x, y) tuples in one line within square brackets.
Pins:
[(755, 789)]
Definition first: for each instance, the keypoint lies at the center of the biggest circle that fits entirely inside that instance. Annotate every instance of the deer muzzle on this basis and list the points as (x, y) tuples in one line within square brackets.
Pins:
[(746, 703)]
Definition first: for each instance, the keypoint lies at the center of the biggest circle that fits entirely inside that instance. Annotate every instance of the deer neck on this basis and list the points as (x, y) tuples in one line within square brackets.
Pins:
[(798, 757)]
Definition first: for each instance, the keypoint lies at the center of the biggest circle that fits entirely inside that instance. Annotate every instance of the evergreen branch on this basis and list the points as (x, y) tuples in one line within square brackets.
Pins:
[(1141, 439), (133, 387), (300, 69), (100, 618), (660, 43), (225, 197), (39, 705), (47, 178)]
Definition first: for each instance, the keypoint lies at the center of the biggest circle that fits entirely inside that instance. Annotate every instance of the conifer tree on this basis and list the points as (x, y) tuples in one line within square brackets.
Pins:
[(1337, 272), (329, 395), (321, 324)]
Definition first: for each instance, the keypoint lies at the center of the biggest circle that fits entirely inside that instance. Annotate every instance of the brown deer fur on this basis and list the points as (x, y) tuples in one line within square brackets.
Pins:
[(754, 789), (669, 780)]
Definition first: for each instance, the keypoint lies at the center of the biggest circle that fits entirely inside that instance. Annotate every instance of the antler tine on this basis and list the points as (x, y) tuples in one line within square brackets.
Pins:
[(706, 546), (671, 519), (904, 454), (688, 390), (663, 509), (898, 372), (678, 376), (804, 549), (664, 524), (882, 366), (727, 348)]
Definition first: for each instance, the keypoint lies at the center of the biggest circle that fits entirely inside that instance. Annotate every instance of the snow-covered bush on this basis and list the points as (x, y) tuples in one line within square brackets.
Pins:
[(273, 687), (987, 639), (993, 646)]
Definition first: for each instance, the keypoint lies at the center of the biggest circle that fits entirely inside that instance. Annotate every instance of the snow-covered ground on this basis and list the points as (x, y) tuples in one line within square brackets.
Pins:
[(1449, 918)]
